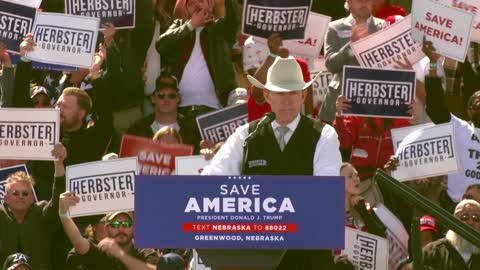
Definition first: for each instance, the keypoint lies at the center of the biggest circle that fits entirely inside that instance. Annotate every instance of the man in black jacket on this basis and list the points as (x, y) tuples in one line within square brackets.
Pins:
[(165, 100), (26, 226), (83, 144)]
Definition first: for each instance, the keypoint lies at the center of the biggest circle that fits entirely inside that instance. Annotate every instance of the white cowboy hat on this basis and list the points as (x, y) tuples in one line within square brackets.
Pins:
[(284, 75)]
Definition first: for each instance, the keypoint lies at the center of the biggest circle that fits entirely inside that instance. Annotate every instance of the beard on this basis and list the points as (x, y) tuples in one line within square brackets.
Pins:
[(476, 119), (461, 244)]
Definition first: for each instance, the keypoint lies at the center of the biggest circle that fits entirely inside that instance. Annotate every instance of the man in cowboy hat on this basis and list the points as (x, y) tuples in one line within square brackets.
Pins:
[(301, 143), (283, 143)]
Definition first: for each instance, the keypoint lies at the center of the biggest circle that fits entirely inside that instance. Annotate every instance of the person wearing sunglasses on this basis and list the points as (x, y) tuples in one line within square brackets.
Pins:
[(165, 99), (114, 252), (25, 225), (454, 252)]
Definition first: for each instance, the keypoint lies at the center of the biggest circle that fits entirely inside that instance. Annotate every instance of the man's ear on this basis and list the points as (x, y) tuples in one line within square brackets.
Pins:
[(179, 98), (266, 95)]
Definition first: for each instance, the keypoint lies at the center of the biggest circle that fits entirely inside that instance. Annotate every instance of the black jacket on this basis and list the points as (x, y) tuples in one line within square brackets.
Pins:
[(188, 130)]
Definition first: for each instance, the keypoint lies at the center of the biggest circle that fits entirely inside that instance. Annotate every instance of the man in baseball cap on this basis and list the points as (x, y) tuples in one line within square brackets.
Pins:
[(17, 261)]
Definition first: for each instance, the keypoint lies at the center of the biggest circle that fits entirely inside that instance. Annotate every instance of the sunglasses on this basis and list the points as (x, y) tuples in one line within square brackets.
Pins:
[(17, 193), (117, 224), (474, 217), (169, 96)]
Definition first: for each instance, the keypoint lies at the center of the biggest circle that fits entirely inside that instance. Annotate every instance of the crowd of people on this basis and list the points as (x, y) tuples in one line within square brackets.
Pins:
[(186, 58)]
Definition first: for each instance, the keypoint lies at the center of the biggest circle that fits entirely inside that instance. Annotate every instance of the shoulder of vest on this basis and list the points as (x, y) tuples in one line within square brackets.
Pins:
[(316, 124), (252, 125)]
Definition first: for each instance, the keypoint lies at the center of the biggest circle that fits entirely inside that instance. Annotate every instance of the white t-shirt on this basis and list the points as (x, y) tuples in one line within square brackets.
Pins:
[(156, 126), (196, 86), (468, 149), (153, 63)]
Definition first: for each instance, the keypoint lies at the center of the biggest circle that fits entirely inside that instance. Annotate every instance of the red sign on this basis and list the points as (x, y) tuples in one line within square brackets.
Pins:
[(153, 158)]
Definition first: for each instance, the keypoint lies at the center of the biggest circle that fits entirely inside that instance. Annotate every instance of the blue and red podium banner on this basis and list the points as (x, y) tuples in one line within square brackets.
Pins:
[(241, 212)]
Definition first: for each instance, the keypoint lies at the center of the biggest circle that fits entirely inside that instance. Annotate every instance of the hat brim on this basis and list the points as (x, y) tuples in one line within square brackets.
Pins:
[(18, 264), (428, 228), (281, 88), (110, 217)]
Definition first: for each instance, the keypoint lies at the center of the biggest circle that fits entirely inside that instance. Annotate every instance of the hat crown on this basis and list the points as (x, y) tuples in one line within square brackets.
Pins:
[(285, 71)]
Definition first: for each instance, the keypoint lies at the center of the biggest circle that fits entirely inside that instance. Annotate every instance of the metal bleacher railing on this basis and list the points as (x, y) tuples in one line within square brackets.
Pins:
[(426, 207)]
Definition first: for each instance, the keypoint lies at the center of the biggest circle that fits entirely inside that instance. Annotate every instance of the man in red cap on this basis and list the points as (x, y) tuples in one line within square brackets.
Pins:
[(428, 230)]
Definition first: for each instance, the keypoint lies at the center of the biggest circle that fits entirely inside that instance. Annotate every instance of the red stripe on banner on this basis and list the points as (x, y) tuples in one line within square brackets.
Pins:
[(239, 227)]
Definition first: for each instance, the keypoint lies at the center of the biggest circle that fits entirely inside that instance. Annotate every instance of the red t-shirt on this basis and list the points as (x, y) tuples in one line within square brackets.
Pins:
[(256, 111)]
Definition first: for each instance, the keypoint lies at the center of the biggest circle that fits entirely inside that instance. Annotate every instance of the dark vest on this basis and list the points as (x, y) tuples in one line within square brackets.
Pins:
[(264, 156)]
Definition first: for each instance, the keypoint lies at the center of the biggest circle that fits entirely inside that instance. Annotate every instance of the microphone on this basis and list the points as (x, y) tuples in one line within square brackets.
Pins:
[(266, 119)]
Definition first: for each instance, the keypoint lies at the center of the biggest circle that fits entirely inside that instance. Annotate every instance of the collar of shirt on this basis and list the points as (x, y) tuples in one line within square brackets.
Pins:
[(350, 20), (292, 126)]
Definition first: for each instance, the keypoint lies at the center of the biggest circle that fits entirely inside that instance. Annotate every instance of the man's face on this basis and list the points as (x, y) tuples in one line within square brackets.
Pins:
[(361, 8), (285, 105), (470, 215), (121, 229), (165, 100), (19, 197), (71, 115), (41, 100), (197, 5), (426, 237), (474, 111)]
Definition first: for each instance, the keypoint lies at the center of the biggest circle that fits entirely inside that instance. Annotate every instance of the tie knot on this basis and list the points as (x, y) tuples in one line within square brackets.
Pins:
[(282, 130)]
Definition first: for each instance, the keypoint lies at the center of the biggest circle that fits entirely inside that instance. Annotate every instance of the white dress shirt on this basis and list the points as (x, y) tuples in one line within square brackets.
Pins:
[(326, 160)]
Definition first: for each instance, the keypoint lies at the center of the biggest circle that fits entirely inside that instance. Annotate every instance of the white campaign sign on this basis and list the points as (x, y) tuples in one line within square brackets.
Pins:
[(398, 134), (427, 152), (448, 28), (397, 236), (365, 250), (317, 26), (30, 3), (472, 6), (64, 39), (384, 48), (103, 186), (320, 85), (310, 46), (190, 165), (28, 134)]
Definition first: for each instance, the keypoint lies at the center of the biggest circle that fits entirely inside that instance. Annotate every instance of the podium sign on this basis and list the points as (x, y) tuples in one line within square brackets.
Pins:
[(241, 212)]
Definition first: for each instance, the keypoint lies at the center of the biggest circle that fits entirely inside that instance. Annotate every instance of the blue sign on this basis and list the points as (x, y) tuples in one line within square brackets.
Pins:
[(289, 18), (4, 173), (120, 13), (378, 92), (43, 66), (240, 212), (15, 22)]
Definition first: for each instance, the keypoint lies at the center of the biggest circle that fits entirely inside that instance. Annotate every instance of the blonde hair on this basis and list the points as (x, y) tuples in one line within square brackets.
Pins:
[(19, 177), (167, 131), (344, 165)]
